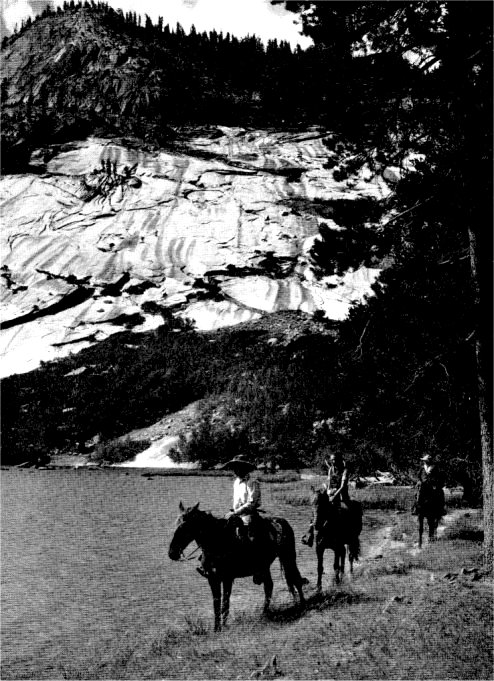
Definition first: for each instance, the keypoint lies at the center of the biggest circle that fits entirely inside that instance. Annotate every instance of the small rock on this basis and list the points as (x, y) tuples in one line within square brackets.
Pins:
[(76, 372)]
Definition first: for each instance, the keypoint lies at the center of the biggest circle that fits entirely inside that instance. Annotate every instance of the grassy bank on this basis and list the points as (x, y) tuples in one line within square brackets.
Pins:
[(398, 618)]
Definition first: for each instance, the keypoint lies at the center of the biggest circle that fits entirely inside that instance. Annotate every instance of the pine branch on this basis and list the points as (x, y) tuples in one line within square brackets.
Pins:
[(408, 210)]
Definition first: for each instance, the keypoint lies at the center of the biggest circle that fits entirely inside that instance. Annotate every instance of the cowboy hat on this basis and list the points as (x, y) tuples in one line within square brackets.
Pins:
[(426, 457), (239, 462)]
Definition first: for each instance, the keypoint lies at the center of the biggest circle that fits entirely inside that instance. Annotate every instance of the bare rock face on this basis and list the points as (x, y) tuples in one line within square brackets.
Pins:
[(212, 232)]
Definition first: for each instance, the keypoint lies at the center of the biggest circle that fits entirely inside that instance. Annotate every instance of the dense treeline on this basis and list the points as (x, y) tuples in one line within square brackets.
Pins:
[(122, 74), (261, 397)]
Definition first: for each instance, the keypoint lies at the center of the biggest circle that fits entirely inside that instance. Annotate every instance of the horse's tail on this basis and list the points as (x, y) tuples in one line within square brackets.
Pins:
[(287, 553)]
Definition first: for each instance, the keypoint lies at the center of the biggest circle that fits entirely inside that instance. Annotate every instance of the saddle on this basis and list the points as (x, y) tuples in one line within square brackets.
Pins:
[(248, 531)]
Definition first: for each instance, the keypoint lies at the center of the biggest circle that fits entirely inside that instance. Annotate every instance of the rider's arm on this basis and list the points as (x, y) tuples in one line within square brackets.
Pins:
[(253, 498)]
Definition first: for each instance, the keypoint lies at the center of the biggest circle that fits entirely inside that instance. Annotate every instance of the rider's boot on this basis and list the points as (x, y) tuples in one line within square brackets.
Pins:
[(205, 569)]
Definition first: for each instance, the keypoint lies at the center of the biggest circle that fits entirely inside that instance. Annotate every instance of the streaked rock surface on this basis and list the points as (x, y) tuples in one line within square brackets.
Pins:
[(211, 230)]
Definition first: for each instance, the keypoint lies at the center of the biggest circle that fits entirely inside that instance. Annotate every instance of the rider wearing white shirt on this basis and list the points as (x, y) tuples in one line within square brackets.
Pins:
[(246, 495), (246, 502)]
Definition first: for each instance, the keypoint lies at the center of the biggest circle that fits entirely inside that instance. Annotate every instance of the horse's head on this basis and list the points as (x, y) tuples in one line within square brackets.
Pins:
[(321, 505), (186, 530)]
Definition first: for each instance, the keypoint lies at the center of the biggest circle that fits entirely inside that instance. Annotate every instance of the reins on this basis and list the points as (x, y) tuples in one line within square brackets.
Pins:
[(189, 557)]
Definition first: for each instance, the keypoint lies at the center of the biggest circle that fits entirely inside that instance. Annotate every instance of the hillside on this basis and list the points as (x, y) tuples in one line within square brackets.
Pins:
[(89, 69), (72, 73)]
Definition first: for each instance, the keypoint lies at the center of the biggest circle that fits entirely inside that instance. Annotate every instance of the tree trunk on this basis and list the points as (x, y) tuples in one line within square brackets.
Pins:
[(482, 347)]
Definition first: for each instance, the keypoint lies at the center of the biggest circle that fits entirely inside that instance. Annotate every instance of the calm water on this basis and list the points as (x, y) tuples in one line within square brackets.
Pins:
[(85, 564)]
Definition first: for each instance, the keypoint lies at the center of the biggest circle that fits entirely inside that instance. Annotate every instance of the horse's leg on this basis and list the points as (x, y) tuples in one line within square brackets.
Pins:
[(225, 599), (215, 585), (421, 529), (433, 523), (342, 562), (350, 558), (320, 565), (289, 578), (268, 589), (300, 590), (336, 565)]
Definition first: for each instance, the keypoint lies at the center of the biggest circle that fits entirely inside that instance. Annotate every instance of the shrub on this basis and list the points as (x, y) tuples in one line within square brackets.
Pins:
[(117, 451)]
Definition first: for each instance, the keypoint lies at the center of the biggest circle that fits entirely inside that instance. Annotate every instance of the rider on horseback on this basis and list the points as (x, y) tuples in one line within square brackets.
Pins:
[(430, 479), (338, 480), (247, 526), (337, 489), (246, 495)]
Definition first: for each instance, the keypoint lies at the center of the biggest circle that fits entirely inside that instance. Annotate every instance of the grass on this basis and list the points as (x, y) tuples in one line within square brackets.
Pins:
[(399, 626), (400, 622)]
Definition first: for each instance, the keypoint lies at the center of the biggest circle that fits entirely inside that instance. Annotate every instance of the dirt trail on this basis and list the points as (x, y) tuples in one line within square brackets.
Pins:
[(382, 543)]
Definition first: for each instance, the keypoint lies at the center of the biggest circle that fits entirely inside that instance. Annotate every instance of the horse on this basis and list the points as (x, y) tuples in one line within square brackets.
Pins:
[(336, 527), (229, 558), (430, 505)]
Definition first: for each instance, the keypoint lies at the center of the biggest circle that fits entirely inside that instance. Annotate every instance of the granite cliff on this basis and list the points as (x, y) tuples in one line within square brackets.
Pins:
[(219, 230)]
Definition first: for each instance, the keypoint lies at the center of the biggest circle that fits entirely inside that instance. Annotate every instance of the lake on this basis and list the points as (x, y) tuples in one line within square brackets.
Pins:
[(85, 564)]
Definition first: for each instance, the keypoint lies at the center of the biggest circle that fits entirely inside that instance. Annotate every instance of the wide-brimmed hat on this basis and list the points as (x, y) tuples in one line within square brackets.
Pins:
[(426, 457), (239, 463)]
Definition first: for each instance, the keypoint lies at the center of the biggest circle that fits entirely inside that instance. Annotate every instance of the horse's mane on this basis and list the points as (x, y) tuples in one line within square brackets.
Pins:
[(212, 519), (321, 497)]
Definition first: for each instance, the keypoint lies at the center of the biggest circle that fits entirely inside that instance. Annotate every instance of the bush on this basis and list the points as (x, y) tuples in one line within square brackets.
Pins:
[(118, 451)]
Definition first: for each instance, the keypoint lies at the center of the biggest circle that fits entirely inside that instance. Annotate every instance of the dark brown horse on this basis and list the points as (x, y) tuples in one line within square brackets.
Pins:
[(430, 505), (228, 558), (336, 527)]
